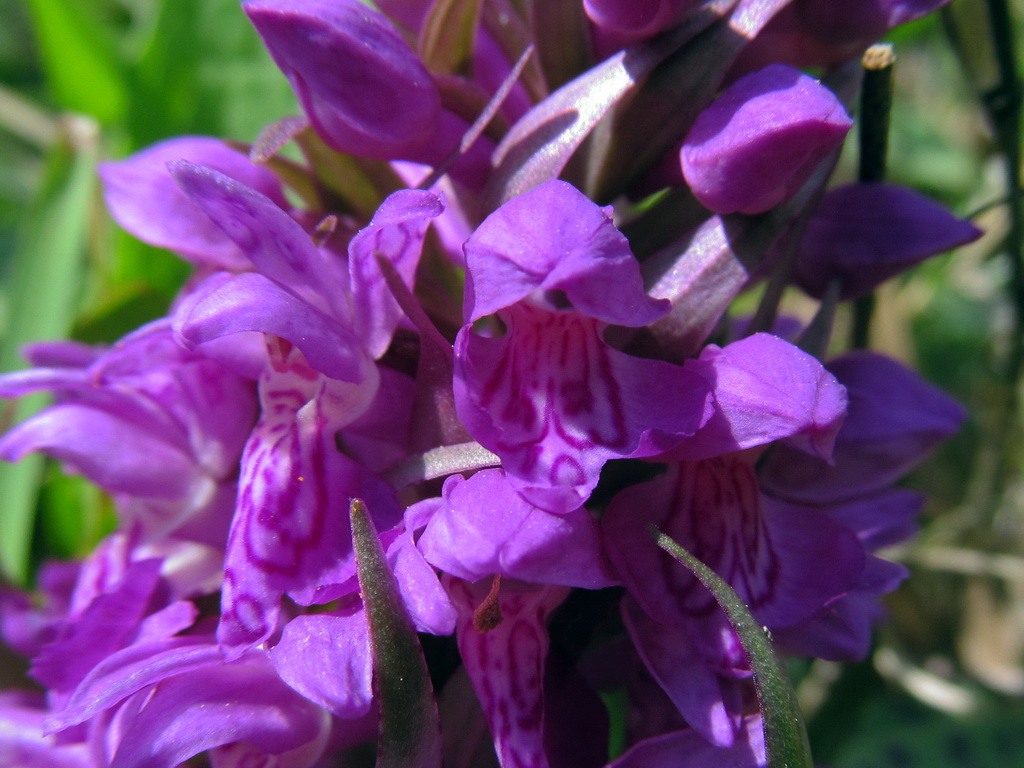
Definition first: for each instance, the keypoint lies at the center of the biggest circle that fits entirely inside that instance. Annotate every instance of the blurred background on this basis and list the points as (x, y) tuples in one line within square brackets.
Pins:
[(82, 81)]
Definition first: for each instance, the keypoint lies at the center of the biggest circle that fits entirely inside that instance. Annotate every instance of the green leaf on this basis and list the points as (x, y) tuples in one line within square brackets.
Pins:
[(80, 58), (410, 732), (42, 296), (785, 736)]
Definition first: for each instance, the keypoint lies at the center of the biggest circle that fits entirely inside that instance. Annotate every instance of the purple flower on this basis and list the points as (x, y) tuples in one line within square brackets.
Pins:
[(757, 144), (546, 393)]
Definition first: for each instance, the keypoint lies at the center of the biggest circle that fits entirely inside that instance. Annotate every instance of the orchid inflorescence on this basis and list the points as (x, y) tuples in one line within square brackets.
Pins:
[(489, 299)]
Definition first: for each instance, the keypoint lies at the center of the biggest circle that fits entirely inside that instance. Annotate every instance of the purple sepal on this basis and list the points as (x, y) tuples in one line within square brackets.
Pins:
[(395, 234), (364, 91), (687, 749), (242, 701), (550, 398), (326, 658), (554, 239), (824, 33), (91, 442), (863, 234), (842, 630), (143, 198), (893, 420), (484, 527), (757, 144), (765, 389)]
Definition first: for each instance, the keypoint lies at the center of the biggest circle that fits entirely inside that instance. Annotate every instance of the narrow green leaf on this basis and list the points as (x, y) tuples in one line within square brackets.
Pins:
[(410, 732), (42, 295), (165, 83), (80, 58), (785, 736)]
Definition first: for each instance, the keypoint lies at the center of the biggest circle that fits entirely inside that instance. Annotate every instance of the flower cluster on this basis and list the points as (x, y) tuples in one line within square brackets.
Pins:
[(429, 312)]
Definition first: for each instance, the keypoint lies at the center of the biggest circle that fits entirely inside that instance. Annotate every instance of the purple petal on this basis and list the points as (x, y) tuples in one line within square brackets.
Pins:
[(143, 198), (553, 238), (757, 144), (189, 714), (894, 419), (326, 658), (364, 91), (765, 390), (863, 234), (396, 235), (485, 527), (277, 246), (555, 402), (251, 302)]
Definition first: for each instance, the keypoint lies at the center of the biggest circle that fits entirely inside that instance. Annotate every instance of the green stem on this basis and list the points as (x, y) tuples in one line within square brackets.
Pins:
[(875, 113)]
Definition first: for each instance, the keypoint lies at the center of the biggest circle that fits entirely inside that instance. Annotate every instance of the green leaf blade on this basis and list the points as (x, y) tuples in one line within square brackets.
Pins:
[(785, 736), (410, 733)]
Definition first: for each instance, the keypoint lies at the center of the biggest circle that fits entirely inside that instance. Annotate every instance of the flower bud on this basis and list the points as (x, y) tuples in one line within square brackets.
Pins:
[(863, 234), (365, 92), (761, 139), (635, 17)]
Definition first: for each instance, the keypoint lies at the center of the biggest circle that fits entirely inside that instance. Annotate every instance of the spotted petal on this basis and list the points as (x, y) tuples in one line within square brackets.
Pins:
[(555, 402)]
